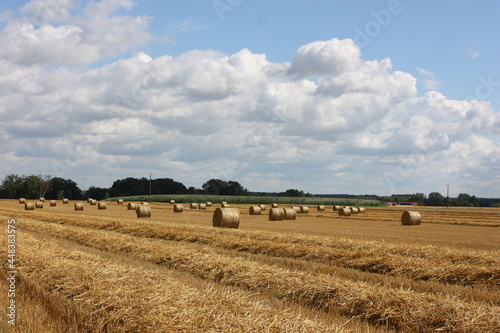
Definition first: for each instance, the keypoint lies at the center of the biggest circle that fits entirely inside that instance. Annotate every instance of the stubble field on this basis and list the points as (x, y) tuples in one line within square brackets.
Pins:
[(108, 271)]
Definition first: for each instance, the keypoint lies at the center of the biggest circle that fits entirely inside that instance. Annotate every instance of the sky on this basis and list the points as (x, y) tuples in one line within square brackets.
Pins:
[(355, 97)]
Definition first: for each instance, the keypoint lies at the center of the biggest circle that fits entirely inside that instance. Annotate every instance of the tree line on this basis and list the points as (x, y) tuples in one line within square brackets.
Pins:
[(56, 188)]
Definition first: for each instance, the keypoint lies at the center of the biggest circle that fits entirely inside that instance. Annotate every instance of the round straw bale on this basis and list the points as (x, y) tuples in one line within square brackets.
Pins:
[(255, 210), (274, 205), (178, 208), (131, 206), (172, 202), (42, 199), (336, 207), (411, 218), (22, 200), (304, 209), (193, 206), (93, 202), (89, 200), (320, 208), (276, 214), (78, 206), (202, 206), (119, 201), (224, 205), (39, 204), (345, 211), (53, 203), (290, 213), (296, 208), (29, 206), (143, 211), (101, 205), (145, 203), (263, 207), (209, 204), (361, 210), (354, 210), (226, 218), (65, 201)]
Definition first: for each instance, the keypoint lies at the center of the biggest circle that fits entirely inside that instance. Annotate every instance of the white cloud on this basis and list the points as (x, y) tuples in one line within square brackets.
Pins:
[(472, 53), (428, 82), (326, 118), (49, 34)]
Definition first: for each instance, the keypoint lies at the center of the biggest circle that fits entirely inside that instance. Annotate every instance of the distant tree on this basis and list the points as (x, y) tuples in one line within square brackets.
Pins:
[(221, 187), (435, 199), (97, 193), (12, 187), (129, 186), (419, 198), (167, 186), (63, 188), (464, 200)]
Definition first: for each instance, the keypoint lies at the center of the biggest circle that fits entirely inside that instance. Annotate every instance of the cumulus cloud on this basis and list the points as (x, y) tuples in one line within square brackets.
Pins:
[(327, 121), (48, 33)]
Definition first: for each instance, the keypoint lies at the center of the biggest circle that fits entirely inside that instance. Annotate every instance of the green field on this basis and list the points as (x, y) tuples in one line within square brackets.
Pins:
[(249, 200)]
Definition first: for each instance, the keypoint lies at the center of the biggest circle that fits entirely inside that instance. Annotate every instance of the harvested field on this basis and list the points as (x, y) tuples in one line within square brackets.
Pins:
[(319, 273)]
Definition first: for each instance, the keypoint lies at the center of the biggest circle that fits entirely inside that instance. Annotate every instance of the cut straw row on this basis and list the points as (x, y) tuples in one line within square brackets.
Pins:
[(400, 309)]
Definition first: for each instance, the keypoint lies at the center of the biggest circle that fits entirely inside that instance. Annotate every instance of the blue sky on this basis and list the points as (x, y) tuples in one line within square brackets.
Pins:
[(371, 97)]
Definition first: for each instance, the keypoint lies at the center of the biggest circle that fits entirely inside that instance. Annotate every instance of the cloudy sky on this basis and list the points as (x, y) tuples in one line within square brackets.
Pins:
[(358, 97)]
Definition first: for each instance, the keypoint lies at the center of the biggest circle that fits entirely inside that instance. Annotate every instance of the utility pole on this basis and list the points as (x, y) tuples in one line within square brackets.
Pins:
[(448, 195)]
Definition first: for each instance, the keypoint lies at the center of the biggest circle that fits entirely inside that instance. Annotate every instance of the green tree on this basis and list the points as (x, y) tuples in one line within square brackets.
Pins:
[(12, 187), (435, 199), (63, 188)]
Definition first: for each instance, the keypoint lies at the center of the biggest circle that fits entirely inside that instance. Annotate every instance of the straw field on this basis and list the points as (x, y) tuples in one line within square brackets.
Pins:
[(109, 271)]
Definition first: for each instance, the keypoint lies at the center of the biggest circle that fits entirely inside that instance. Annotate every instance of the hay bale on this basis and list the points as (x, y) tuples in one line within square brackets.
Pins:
[(131, 206), (119, 201), (101, 205), (321, 208), (42, 199), (93, 202), (53, 203), (296, 208), (202, 206), (263, 207), (29, 206), (172, 202), (304, 209), (226, 218), (336, 207), (22, 200), (39, 204), (224, 205), (345, 211), (143, 211), (255, 210), (361, 210), (178, 208), (411, 218), (78, 206), (145, 203), (89, 200), (290, 213), (354, 210), (193, 206), (65, 201), (274, 205), (209, 204), (276, 214)]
